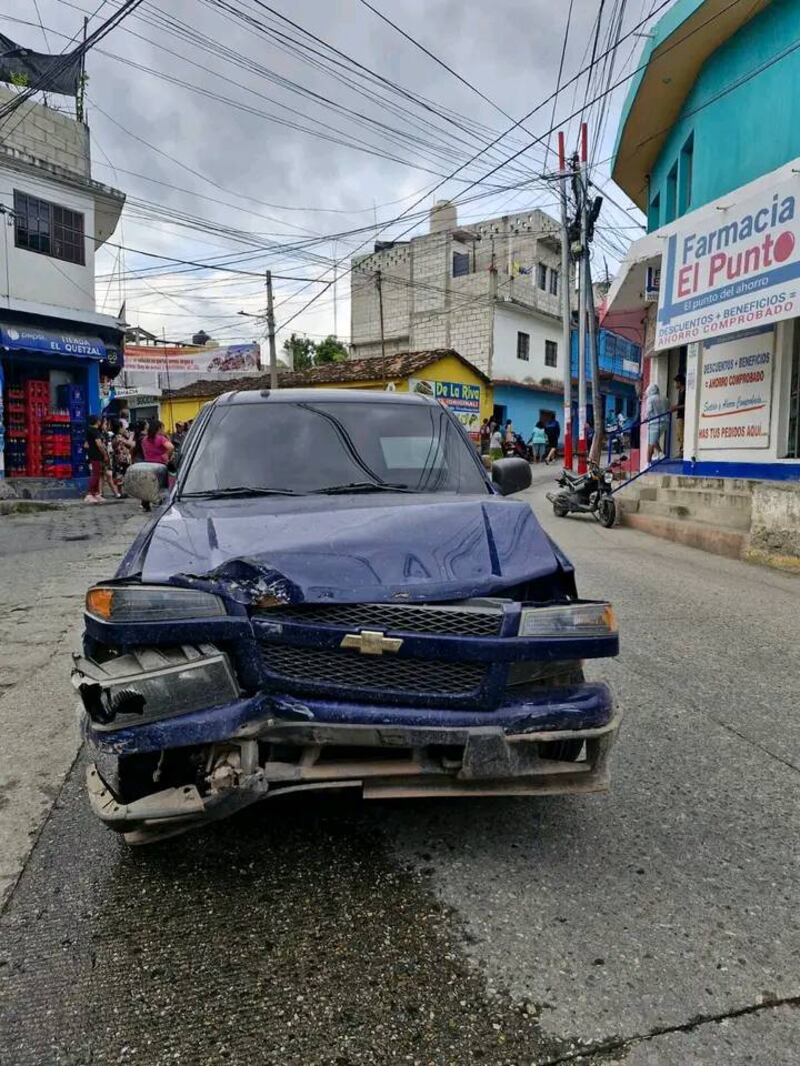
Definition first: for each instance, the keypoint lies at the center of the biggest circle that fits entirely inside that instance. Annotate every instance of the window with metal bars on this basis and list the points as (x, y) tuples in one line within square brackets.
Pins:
[(550, 353), (50, 229)]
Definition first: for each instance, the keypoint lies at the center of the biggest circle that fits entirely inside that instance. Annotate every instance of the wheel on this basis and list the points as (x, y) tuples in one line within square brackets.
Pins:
[(560, 509), (606, 512), (565, 750)]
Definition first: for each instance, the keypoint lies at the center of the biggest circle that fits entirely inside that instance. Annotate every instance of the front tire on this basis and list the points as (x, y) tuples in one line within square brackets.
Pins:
[(606, 512)]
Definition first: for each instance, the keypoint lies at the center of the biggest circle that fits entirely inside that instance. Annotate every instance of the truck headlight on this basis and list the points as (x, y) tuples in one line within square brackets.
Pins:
[(147, 684), (151, 603), (570, 620)]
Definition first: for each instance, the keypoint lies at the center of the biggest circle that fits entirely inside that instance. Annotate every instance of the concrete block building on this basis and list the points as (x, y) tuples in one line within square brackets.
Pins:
[(55, 349), (490, 291)]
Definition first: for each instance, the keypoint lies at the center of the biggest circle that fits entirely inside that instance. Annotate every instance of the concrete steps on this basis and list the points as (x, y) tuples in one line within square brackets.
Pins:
[(726, 515), (731, 543), (713, 514)]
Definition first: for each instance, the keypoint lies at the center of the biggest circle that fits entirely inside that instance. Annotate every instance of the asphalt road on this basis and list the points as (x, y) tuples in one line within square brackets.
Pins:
[(656, 926)]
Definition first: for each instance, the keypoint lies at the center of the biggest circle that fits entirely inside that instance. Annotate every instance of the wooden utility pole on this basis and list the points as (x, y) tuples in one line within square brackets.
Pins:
[(566, 309), (335, 294), (273, 357), (378, 282), (80, 98)]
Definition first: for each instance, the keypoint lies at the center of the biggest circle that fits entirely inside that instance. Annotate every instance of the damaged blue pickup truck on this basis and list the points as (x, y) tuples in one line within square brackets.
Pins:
[(336, 594)]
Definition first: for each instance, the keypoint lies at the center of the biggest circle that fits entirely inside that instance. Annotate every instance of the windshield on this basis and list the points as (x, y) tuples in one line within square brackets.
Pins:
[(316, 447)]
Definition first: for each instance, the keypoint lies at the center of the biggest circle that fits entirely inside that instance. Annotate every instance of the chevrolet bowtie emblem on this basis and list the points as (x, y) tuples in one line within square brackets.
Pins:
[(371, 642)]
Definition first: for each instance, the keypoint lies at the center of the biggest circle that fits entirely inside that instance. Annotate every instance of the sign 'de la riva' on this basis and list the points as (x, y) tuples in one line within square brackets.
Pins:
[(732, 267)]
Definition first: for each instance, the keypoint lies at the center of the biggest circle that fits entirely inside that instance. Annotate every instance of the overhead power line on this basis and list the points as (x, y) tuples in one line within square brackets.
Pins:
[(574, 79), (515, 155)]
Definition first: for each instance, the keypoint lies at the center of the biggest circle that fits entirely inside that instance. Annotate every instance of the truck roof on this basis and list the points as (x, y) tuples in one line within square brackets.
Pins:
[(324, 395)]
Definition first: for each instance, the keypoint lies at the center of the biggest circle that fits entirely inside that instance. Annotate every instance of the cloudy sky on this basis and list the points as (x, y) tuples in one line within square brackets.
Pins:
[(243, 140)]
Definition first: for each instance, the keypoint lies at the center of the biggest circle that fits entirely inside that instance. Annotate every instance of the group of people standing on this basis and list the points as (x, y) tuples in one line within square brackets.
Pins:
[(499, 439), (113, 443), (544, 440)]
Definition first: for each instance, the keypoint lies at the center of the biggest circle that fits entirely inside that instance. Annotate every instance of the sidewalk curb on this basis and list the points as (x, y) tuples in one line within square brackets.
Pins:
[(8, 507)]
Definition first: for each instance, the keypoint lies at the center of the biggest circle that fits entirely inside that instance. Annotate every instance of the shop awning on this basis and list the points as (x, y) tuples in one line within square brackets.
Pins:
[(628, 291), (51, 342)]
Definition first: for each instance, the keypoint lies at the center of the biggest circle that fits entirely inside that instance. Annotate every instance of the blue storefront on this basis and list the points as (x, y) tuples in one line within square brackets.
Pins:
[(526, 404), (619, 361), (50, 382)]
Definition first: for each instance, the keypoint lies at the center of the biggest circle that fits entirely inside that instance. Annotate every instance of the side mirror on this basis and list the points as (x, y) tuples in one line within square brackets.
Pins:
[(145, 481), (511, 475)]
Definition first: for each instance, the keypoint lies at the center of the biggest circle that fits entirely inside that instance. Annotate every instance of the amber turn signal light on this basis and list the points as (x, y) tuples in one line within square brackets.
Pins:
[(98, 602)]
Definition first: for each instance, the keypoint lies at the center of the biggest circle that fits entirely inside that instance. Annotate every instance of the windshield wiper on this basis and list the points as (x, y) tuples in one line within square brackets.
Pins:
[(363, 486), (241, 490)]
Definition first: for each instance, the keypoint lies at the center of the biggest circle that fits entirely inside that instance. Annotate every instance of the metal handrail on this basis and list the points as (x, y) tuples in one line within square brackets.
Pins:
[(666, 417)]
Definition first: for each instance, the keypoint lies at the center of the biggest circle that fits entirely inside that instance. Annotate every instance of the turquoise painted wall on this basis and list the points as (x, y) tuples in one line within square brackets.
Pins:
[(751, 129), (523, 406), (667, 24)]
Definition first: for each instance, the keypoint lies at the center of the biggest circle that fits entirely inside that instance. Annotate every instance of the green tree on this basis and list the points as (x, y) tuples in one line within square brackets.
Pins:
[(299, 352), (329, 351)]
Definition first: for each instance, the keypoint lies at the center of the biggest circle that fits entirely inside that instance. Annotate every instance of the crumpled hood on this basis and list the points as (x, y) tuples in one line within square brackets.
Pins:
[(349, 549)]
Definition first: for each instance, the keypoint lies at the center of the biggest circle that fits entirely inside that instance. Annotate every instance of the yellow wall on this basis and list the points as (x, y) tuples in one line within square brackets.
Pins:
[(172, 411), (448, 368)]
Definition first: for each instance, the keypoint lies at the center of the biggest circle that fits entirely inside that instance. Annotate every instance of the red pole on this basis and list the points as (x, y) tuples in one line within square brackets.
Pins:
[(582, 305), (562, 153)]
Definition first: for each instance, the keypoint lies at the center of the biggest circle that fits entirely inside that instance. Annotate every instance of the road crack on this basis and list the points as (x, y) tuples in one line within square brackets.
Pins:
[(616, 1044), (636, 665)]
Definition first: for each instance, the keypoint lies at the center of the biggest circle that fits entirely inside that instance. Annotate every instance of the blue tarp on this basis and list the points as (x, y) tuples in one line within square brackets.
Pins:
[(51, 342)]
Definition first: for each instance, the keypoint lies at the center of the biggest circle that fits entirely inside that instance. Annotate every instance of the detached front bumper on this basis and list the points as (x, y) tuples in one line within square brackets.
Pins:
[(267, 746)]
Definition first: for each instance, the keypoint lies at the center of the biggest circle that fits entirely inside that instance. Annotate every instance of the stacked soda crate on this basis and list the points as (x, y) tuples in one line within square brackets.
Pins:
[(72, 399), (56, 445), (16, 432), (37, 407)]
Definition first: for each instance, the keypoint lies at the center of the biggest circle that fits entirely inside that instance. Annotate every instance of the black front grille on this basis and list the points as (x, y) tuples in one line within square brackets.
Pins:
[(456, 621), (350, 672)]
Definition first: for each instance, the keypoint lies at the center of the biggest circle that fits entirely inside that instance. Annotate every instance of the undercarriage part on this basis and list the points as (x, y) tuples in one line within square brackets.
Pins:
[(422, 762)]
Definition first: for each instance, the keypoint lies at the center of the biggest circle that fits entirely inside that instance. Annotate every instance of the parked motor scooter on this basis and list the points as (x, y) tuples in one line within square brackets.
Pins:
[(589, 493), (518, 449)]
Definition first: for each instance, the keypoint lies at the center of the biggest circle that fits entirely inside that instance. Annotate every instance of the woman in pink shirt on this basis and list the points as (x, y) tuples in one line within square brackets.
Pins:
[(156, 447)]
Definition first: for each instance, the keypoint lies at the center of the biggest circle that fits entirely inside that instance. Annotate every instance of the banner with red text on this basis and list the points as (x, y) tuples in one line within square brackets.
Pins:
[(235, 359)]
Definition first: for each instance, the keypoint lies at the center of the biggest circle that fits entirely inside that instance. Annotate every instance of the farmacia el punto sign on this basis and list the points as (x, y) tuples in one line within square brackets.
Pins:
[(731, 268)]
